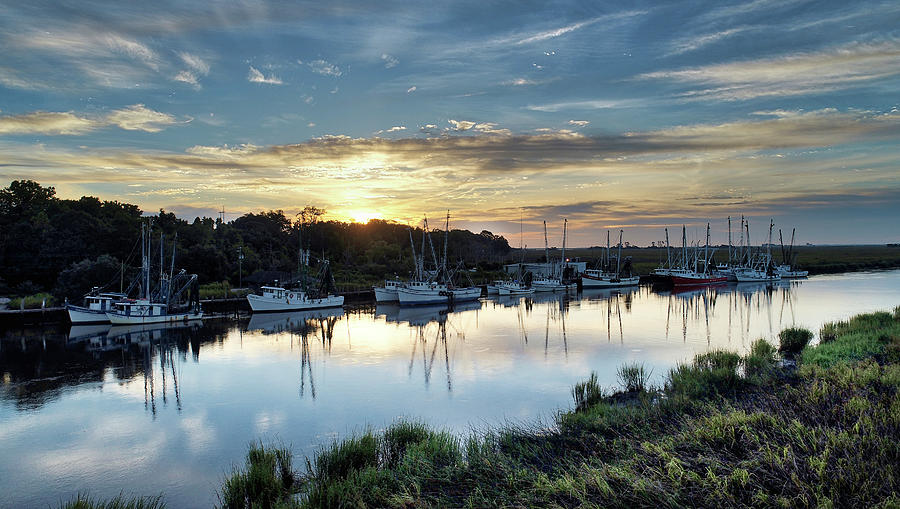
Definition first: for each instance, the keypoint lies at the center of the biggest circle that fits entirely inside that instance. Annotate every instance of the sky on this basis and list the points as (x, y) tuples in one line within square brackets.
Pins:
[(611, 115)]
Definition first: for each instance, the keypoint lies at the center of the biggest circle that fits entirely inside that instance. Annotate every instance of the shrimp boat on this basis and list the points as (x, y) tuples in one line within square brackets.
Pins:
[(175, 298), (606, 278), (390, 291), (95, 307), (555, 282), (694, 276), (440, 289), (278, 299)]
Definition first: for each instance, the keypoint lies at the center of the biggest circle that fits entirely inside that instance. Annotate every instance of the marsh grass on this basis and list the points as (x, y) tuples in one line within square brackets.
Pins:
[(266, 480), (85, 501), (587, 392), (633, 377), (793, 340)]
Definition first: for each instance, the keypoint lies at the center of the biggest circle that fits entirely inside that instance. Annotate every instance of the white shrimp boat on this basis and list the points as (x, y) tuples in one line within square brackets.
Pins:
[(94, 309), (162, 306), (592, 278), (275, 298), (786, 272), (551, 285), (388, 292), (436, 294), (141, 311), (513, 288)]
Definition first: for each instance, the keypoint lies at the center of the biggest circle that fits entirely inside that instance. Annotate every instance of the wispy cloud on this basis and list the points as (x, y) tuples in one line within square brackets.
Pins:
[(389, 61), (411, 89), (839, 68), (138, 117), (44, 122), (324, 68), (579, 123), (556, 32), (194, 62), (255, 76), (696, 42), (597, 104)]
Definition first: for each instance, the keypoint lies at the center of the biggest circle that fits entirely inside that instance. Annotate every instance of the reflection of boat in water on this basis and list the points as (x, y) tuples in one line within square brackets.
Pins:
[(290, 320), (606, 293), (423, 315), (140, 333), (85, 332)]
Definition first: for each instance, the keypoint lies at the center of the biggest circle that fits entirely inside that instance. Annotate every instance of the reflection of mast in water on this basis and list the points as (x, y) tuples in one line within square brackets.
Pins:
[(428, 359), (306, 366)]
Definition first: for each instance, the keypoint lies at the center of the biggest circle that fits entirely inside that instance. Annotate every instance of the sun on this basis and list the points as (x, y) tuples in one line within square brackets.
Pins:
[(363, 216)]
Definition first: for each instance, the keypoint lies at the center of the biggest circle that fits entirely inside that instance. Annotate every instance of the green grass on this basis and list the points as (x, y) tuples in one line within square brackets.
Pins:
[(85, 501), (220, 290), (793, 340), (32, 301), (633, 377), (266, 480)]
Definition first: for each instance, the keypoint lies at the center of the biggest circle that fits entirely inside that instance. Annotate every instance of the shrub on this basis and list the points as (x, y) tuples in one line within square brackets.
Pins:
[(828, 333), (793, 340), (710, 374), (760, 362), (587, 393), (633, 377), (267, 480), (35, 301)]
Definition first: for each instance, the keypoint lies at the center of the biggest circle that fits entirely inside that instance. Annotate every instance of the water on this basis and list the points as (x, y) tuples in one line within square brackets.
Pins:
[(171, 410)]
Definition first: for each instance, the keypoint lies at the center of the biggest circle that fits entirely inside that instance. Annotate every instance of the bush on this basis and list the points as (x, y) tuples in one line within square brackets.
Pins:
[(587, 393), (710, 374), (633, 377), (828, 333), (267, 480), (793, 340), (32, 301), (760, 362)]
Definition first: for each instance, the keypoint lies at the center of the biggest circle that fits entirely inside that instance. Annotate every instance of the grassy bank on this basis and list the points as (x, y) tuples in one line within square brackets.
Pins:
[(796, 426)]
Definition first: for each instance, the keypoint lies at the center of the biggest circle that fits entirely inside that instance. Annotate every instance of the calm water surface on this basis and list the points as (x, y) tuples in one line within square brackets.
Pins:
[(170, 410)]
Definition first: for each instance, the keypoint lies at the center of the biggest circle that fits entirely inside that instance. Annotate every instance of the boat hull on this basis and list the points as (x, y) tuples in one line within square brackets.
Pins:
[(697, 281), (260, 304), (602, 282), (419, 297), (119, 319), (81, 315), (386, 294)]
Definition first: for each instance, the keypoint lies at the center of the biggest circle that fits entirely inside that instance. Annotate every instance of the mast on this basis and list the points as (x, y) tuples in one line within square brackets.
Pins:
[(668, 255), (619, 256), (546, 245), (606, 265), (769, 244), (783, 252), (415, 261), (729, 240), (706, 252), (446, 241), (684, 261), (791, 251), (145, 261), (424, 236), (747, 226), (562, 260)]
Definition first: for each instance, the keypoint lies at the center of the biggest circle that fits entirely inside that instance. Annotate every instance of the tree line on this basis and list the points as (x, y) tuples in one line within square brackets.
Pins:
[(68, 246)]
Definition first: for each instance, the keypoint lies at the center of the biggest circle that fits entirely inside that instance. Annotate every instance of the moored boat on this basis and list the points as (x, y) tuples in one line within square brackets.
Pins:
[(278, 299), (94, 309)]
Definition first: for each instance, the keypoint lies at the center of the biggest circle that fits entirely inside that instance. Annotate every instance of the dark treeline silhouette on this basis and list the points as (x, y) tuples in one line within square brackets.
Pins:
[(68, 246)]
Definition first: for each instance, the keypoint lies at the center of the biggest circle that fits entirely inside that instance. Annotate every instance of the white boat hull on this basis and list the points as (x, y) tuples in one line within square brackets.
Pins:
[(119, 319), (386, 294), (260, 304), (441, 295), (551, 286), (604, 282), (82, 315), (512, 290)]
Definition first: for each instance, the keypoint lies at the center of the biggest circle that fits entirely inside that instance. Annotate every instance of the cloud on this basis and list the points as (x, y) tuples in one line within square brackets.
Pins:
[(579, 105), (133, 118), (689, 44), (396, 128), (556, 32), (519, 82), (255, 76), (324, 68), (462, 125), (411, 89), (579, 123), (389, 61), (43, 122), (187, 77), (194, 62), (845, 67), (138, 117)]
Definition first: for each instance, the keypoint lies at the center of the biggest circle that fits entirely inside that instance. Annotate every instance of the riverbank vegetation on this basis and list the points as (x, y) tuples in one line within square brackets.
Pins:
[(816, 427)]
